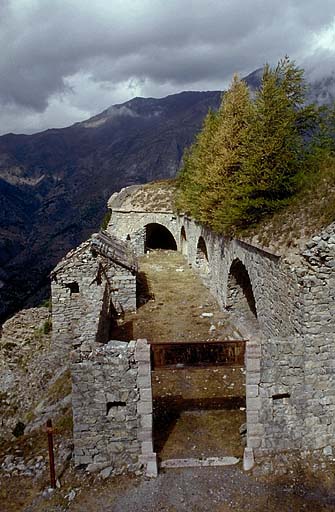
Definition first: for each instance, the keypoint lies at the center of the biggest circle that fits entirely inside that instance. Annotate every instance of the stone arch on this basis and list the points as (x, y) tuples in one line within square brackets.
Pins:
[(201, 258), (183, 242), (158, 236), (240, 294)]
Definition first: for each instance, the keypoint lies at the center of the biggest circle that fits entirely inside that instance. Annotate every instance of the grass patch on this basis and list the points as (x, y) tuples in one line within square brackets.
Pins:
[(64, 424), (308, 212), (61, 387)]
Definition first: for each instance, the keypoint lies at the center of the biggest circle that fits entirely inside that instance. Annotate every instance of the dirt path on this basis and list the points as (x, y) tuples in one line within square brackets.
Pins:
[(174, 310), (173, 304), (197, 412), (195, 490)]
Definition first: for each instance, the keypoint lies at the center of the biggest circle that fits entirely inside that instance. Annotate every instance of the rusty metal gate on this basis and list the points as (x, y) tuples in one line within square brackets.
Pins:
[(197, 354)]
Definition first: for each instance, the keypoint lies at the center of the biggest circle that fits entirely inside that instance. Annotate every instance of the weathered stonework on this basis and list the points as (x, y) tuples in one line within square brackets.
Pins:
[(89, 288), (290, 359), (284, 305), (112, 408)]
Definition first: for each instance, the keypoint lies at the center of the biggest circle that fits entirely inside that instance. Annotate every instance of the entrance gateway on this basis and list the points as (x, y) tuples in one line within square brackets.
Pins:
[(199, 402)]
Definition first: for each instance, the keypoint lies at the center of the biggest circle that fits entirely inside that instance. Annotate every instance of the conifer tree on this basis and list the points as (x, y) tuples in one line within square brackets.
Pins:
[(196, 160), (276, 146), (251, 157), (219, 198)]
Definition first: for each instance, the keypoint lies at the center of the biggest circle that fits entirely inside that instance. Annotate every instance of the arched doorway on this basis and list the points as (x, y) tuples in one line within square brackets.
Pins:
[(158, 236), (202, 256), (183, 242), (240, 295)]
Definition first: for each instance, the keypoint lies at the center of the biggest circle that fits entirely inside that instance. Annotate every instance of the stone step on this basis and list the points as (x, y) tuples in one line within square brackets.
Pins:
[(194, 463)]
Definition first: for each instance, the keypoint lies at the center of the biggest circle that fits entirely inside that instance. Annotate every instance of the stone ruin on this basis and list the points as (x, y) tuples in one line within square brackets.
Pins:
[(286, 308)]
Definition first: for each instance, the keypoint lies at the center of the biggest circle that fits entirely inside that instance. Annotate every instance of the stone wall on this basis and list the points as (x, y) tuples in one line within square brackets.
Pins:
[(290, 359), (276, 288), (286, 306), (129, 225), (318, 280), (112, 408), (291, 395), (88, 291)]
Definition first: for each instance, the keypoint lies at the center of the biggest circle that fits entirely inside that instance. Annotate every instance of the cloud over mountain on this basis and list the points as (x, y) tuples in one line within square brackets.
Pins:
[(64, 60)]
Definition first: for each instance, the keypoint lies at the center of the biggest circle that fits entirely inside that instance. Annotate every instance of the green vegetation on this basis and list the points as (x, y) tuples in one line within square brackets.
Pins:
[(253, 157), (61, 387), (46, 303), (106, 219), (46, 328)]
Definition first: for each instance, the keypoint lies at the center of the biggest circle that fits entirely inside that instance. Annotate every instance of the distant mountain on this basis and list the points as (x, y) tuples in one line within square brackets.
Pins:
[(54, 185)]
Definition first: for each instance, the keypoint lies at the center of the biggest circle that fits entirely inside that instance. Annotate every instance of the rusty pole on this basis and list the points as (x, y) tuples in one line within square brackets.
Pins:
[(51, 454)]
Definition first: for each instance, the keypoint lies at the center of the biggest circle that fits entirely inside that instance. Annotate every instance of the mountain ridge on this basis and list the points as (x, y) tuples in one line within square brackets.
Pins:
[(54, 184)]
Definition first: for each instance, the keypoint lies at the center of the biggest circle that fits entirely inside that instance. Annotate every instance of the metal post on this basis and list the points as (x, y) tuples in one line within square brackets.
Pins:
[(51, 454)]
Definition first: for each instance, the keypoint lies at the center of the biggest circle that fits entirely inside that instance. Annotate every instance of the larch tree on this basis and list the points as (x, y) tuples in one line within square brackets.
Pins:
[(193, 175), (275, 141), (220, 197)]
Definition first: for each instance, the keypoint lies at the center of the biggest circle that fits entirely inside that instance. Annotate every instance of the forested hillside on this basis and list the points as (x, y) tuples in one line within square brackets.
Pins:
[(257, 153)]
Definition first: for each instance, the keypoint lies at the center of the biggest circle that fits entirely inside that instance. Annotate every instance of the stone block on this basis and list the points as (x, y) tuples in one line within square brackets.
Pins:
[(254, 442), (144, 369), (147, 448), (253, 404), (252, 391), (145, 434), (146, 394), (255, 429), (151, 464), (146, 421), (144, 381), (253, 365), (253, 350), (248, 459), (144, 407)]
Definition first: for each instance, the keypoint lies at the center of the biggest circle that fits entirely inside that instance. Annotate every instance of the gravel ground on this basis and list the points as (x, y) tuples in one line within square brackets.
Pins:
[(196, 490), (217, 490)]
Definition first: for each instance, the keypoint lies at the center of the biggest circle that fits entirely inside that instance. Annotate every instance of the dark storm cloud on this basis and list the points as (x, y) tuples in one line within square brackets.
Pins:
[(155, 43)]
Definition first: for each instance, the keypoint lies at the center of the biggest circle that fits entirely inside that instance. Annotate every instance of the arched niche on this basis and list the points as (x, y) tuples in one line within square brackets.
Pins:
[(158, 236), (202, 256), (183, 242), (240, 295)]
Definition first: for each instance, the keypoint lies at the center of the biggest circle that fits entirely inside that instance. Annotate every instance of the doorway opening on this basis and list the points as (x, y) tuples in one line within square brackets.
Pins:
[(202, 256), (159, 237), (198, 400)]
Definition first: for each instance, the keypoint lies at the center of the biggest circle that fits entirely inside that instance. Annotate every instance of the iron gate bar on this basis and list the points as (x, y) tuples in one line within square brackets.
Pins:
[(181, 354)]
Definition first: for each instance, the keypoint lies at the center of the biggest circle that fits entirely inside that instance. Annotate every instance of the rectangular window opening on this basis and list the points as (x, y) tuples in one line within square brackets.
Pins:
[(113, 405), (280, 396)]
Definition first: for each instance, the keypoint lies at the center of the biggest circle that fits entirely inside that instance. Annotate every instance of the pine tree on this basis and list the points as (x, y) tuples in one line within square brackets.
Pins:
[(251, 157), (206, 181)]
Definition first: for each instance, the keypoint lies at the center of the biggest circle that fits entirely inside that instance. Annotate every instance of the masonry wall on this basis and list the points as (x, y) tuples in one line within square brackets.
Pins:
[(291, 395), (104, 400), (87, 291), (290, 358), (131, 226), (318, 281), (112, 408), (276, 288)]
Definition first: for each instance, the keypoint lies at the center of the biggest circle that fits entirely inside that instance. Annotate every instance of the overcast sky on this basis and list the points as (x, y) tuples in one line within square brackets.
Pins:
[(62, 61)]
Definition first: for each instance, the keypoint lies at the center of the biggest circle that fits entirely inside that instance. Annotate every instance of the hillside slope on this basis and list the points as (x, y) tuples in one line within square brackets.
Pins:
[(54, 185)]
